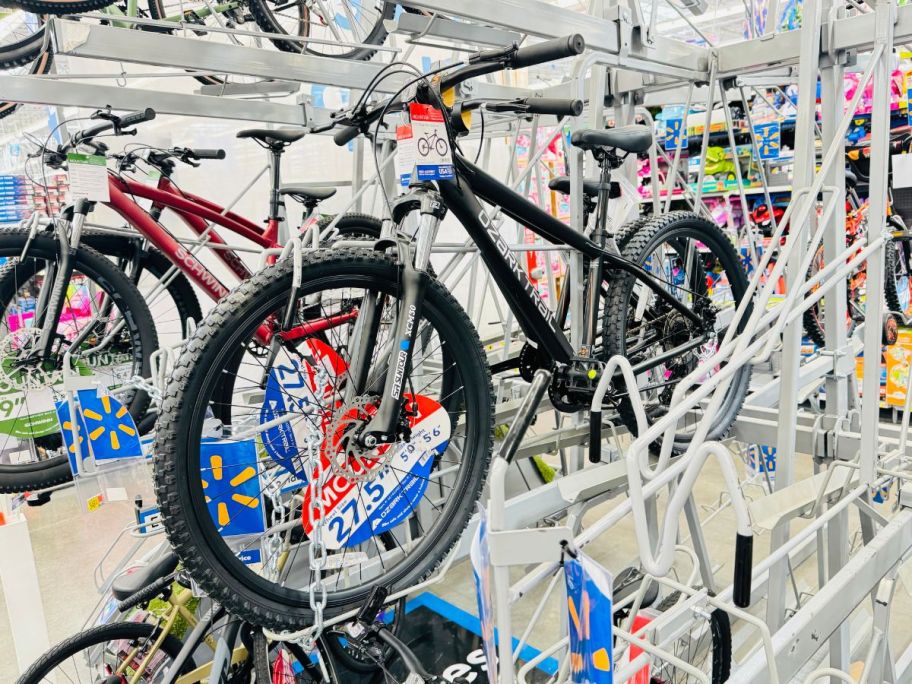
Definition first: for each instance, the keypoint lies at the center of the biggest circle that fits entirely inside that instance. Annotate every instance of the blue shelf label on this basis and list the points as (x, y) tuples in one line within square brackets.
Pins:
[(675, 137), (769, 137)]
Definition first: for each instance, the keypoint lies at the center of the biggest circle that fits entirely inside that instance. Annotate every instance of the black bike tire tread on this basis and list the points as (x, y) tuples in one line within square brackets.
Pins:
[(22, 51), (353, 223), (262, 15), (616, 313), (54, 471), (812, 318), (174, 403), (59, 8), (41, 64), (93, 637)]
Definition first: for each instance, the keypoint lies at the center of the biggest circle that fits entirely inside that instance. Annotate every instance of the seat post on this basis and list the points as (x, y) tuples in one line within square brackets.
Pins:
[(604, 194), (275, 201)]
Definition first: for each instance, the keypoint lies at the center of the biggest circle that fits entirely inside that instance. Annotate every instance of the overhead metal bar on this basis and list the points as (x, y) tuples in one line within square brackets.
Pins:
[(421, 27), (37, 90), (781, 49), (79, 39), (544, 20)]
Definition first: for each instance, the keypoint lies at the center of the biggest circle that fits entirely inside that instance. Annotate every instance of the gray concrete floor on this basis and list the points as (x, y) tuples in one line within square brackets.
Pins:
[(68, 542)]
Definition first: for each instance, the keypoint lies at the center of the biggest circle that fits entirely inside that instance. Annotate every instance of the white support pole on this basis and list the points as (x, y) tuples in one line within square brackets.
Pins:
[(22, 593), (885, 13), (805, 162)]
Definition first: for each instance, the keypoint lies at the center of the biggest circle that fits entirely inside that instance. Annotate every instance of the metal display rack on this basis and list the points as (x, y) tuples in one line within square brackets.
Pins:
[(629, 64)]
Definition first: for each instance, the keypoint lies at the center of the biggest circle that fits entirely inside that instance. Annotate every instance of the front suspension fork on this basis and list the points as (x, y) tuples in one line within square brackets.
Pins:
[(55, 300), (382, 429)]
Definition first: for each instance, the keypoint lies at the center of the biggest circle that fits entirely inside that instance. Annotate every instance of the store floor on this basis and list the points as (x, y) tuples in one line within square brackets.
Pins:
[(68, 544)]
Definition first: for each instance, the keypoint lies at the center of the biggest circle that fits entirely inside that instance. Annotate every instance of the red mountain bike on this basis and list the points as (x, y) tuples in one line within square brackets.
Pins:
[(88, 293)]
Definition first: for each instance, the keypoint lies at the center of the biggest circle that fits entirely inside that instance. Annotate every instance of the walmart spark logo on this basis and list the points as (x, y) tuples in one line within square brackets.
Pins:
[(105, 429), (589, 606), (231, 482), (112, 432)]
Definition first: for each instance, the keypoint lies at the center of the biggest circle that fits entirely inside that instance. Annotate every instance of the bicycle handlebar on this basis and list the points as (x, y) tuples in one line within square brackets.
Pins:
[(539, 105), (549, 51), (485, 62), (207, 154), (147, 593)]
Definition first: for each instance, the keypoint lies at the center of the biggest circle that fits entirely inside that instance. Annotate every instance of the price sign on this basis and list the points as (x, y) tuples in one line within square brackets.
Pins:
[(423, 147), (88, 177)]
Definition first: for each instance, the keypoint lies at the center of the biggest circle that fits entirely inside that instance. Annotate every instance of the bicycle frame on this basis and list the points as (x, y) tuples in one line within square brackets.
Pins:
[(196, 213), (537, 320), (200, 215)]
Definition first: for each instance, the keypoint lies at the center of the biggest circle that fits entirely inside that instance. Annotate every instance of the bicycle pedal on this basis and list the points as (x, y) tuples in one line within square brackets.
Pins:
[(37, 498)]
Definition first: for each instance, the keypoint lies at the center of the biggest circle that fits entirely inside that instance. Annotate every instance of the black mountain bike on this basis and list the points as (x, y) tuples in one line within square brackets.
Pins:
[(394, 392)]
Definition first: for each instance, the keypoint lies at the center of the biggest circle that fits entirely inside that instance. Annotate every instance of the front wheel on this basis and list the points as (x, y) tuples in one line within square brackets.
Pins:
[(696, 263), (231, 490), (100, 301)]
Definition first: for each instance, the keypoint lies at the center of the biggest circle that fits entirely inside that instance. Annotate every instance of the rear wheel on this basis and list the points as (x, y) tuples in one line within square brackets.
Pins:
[(705, 646), (696, 263), (21, 49), (332, 22), (59, 7), (393, 512)]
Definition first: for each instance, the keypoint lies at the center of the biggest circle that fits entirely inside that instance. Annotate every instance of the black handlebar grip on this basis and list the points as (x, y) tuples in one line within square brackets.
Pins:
[(595, 436), (146, 593), (209, 154), (744, 566), (345, 135), (137, 117), (554, 105), (548, 51)]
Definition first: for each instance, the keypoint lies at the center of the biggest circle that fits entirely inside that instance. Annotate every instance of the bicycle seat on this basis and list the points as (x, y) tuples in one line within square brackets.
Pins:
[(628, 582), (273, 138), (562, 184), (307, 194), (126, 585), (851, 179), (636, 138)]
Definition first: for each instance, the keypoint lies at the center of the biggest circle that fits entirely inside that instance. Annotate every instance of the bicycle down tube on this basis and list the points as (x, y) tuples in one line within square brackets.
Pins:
[(536, 318)]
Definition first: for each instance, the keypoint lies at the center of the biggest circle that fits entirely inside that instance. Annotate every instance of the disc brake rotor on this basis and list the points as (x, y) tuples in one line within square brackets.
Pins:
[(347, 457), (32, 376)]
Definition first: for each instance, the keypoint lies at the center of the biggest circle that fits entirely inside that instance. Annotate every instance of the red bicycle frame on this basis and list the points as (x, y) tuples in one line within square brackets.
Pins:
[(199, 214)]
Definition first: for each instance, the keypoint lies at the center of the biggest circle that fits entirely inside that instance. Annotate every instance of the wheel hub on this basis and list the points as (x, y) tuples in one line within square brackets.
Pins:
[(22, 370), (347, 456)]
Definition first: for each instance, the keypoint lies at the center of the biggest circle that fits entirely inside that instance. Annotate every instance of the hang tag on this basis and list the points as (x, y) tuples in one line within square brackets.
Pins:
[(88, 177), (902, 171), (423, 149)]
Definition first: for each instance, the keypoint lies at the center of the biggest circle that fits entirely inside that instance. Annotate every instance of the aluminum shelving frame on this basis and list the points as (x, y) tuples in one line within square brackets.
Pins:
[(650, 68)]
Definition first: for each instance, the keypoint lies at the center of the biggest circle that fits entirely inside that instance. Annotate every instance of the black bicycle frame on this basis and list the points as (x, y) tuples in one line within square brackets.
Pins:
[(536, 319)]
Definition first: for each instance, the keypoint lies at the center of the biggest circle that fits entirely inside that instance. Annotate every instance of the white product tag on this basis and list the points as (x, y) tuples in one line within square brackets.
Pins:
[(88, 177), (902, 171), (423, 148), (116, 494)]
